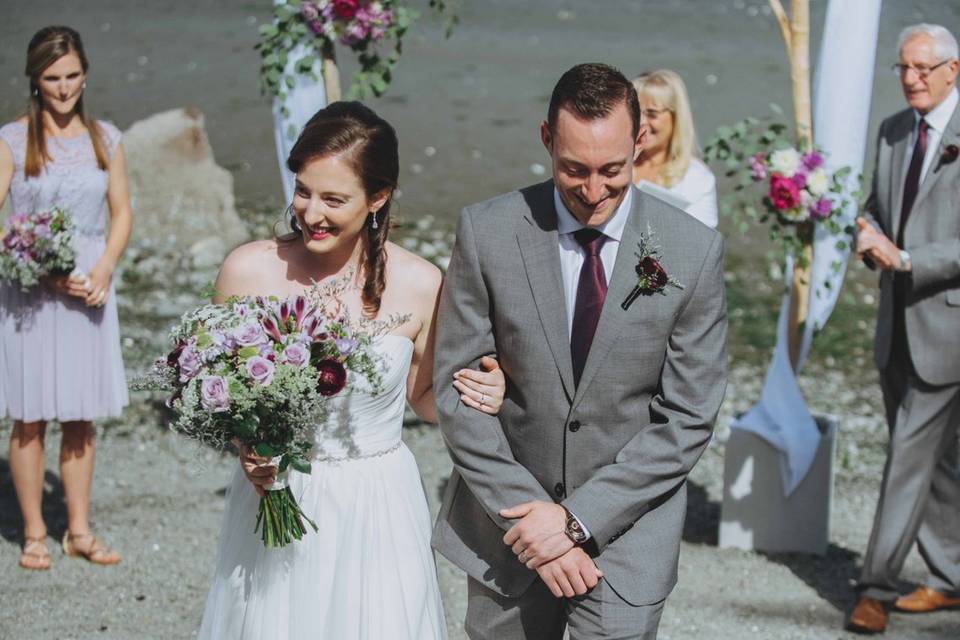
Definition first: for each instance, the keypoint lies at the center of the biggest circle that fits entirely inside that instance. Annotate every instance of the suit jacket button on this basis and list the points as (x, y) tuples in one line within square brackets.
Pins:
[(575, 426), (558, 489)]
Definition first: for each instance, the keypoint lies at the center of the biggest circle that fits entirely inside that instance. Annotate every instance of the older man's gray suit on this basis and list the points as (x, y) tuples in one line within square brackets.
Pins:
[(615, 449), (918, 354)]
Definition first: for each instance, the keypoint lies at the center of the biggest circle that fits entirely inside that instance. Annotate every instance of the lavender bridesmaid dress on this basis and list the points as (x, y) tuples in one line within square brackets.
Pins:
[(59, 359)]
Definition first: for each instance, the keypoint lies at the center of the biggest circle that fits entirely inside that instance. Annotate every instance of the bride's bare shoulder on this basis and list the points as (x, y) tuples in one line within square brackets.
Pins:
[(414, 273), (247, 266)]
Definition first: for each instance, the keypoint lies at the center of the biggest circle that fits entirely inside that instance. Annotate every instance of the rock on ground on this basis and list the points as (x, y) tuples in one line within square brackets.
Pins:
[(177, 189)]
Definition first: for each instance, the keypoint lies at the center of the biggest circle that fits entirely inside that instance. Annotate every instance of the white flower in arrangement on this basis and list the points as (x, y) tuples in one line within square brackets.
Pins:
[(818, 182), (785, 161)]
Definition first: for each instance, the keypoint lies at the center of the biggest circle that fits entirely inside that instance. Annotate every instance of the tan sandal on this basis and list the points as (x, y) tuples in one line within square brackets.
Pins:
[(96, 553), (32, 558)]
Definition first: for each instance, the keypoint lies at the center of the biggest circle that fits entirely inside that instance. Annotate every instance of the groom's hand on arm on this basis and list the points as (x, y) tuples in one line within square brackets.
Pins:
[(539, 535)]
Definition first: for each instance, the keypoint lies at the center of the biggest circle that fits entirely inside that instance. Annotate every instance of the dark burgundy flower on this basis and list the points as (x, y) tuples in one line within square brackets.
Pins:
[(332, 377), (950, 153), (654, 273), (174, 356), (345, 9)]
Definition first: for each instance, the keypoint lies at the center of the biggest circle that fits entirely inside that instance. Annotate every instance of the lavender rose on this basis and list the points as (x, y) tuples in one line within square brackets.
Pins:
[(214, 394), (296, 354), (189, 361), (260, 369), (250, 335), (346, 345)]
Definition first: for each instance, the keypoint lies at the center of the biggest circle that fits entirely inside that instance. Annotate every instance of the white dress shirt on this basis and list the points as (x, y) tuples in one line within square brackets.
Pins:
[(572, 256), (937, 119)]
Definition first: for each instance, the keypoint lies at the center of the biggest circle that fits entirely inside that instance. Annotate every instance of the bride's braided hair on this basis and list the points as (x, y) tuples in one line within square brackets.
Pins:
[(369, 144)]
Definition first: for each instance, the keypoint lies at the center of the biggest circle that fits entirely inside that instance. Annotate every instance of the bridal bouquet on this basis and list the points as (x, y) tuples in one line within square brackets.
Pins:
[(36, 245), (260, 371)]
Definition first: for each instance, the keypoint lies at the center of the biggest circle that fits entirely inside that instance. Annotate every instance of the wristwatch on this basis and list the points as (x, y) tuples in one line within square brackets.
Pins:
[(904, 260), (573, 529)]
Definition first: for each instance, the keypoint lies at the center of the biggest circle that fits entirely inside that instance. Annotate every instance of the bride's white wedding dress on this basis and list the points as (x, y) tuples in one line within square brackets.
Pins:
[(369, 572)]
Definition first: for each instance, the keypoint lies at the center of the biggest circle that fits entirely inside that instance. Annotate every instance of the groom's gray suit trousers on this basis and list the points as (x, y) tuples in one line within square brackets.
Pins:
[(539, 615)]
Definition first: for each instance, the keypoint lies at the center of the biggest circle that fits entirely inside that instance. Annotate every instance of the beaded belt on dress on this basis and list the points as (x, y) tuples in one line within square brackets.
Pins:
[(362, 456)]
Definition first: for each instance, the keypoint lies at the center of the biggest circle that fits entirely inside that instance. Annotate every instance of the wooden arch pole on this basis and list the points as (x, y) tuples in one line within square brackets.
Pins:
[(796, 37), (331, 74)]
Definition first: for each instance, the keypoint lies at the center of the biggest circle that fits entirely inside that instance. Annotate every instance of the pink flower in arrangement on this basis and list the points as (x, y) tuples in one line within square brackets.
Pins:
[(812, 160), (821, 209), (189, 362), (42, 230), (784, 193), (309, 11), (345, 9), (800, 179), (758, 166)]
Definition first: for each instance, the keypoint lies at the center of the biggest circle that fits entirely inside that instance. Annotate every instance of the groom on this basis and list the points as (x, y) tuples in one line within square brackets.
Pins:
[(567, 508)]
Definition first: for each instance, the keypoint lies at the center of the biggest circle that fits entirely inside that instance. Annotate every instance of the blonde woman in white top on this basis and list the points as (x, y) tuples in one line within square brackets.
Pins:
[(670, 157)]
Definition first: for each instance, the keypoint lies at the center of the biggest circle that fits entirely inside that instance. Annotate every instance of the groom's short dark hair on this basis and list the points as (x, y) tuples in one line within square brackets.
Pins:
[(592, 91)]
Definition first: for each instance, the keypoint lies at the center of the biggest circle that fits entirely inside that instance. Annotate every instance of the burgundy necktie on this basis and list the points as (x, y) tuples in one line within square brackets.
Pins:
[(912, 184), (591, 291)]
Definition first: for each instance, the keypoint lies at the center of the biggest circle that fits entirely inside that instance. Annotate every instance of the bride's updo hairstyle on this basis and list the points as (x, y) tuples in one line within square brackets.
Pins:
[(46, 47), (369, 144)]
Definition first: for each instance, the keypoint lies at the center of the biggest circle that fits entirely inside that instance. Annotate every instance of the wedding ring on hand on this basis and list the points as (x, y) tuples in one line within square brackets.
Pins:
[(523, 556), (483, 399)]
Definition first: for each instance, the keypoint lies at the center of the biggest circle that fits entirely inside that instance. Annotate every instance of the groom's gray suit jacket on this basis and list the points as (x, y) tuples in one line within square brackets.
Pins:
[(932, 237), (617, 448)]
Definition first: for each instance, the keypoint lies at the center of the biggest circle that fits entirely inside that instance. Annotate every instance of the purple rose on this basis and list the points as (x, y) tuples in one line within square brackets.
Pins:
[(214, 394), (800, 179), (309, 11), (42, 231), (758, 166), (346, 345), (250, 335), (260, 369), (812, 160), (189, 361), (296, 354), (821, 209)]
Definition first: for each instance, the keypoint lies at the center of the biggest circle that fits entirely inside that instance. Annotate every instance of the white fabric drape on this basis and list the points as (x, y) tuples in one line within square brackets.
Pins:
[(305, 99), (841, 93)]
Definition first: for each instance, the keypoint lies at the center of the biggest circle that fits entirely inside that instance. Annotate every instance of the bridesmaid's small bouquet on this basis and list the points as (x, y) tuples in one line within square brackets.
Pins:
[(36, 245), (260, 371)]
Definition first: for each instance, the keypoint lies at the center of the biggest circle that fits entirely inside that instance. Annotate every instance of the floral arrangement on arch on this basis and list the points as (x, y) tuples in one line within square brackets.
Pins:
[(778, 184), (362, 25)]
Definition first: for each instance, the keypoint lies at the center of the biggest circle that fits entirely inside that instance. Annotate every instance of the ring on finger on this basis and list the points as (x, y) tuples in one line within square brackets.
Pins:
[(522, 557), (483, 398)]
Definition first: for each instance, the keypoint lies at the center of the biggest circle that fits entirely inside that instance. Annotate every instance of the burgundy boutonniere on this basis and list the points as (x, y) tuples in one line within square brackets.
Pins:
[(950, 153), (651, 276)]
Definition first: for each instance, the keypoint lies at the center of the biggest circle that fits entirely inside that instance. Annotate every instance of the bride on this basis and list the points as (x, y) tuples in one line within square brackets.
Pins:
[(368, 573)]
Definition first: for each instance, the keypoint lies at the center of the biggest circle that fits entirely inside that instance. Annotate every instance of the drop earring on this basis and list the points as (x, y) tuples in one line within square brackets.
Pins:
[(84, 85), (373, 221)]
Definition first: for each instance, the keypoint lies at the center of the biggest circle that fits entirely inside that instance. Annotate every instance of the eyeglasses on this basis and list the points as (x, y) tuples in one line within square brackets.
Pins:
[(652, 114), (901, 70)]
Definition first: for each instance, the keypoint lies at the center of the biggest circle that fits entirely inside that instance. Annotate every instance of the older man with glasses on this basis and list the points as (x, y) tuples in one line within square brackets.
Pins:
[(910, 230)]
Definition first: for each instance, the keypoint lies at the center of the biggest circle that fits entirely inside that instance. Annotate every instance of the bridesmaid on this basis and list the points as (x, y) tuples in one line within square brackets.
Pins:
[(59, 342)]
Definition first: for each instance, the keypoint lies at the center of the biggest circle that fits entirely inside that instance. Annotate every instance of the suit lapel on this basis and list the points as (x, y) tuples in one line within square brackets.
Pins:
[(898, 172), (612, 317), (540, 249), (949, 137)]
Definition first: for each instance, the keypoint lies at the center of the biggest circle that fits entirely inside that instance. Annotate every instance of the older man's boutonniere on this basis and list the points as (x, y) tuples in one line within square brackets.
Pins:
[(950, 153), (651, 276)]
